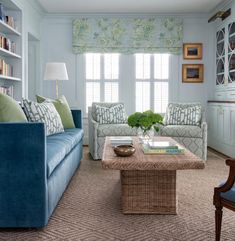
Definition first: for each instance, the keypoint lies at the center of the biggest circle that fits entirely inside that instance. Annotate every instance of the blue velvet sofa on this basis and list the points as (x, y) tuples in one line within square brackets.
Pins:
[(35, 170)]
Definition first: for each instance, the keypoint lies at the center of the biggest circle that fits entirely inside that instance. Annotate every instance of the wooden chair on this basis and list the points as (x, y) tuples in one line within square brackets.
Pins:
[(224, 196)]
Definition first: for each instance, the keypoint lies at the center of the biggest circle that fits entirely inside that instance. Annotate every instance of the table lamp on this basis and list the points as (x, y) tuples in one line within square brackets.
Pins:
[(56, 71)]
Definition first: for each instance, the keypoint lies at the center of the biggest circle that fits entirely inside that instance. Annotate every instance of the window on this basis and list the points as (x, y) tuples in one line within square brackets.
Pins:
[(102, 78), (151, 74)]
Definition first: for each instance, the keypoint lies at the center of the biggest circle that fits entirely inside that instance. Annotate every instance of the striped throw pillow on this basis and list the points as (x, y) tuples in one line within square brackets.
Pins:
[(113, 115), (44, 112)]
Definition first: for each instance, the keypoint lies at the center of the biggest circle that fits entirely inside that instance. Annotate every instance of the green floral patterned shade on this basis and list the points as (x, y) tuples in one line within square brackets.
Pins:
[(127, 35)]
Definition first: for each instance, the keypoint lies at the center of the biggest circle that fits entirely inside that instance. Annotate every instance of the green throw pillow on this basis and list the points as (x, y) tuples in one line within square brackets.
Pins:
[(10, 110), (62, 108)]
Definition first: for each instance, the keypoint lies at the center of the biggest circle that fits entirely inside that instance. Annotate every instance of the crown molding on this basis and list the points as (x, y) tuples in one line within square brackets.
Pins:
[(74, 15)]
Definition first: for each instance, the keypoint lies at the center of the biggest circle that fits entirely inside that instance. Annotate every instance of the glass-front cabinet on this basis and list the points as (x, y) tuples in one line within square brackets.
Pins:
[(220, 56), (225, 62), (231, 52)]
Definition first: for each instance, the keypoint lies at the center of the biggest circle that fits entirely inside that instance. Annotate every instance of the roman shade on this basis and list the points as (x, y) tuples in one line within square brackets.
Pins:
[(128, 35)]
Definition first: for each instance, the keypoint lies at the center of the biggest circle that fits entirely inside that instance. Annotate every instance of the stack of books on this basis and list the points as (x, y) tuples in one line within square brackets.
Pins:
[(162, 148), (121, 140), (5, 68)]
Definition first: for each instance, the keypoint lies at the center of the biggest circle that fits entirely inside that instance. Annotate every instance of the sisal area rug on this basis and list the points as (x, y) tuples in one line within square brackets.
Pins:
[(90, 209)]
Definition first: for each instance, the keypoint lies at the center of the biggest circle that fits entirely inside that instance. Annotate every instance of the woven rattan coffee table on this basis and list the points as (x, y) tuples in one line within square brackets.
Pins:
[(148, 182)]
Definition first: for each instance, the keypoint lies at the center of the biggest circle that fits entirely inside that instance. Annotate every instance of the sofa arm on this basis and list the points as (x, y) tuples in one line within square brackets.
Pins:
[(23, 183), (77, 118)]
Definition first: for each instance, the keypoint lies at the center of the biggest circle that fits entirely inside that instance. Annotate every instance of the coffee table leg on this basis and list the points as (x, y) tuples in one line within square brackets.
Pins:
[(149, 192)]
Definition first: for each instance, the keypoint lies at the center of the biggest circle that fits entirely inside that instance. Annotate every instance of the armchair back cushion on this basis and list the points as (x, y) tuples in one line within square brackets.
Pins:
[(183, 114), (109, 113)]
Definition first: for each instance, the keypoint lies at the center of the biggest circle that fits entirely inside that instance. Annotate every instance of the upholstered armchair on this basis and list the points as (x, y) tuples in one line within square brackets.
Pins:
[(224, 196), (186, 124), (98, 131)]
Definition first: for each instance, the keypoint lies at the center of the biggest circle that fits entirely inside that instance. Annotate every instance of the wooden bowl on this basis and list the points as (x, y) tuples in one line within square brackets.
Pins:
[(124, 150)]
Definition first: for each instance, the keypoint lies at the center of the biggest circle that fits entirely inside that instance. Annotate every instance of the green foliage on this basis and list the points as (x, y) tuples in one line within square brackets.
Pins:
[(145, 120)]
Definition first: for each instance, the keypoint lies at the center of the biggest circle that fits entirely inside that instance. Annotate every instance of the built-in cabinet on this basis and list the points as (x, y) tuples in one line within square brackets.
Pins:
[(221, 110), (221, 127), (11, 57)]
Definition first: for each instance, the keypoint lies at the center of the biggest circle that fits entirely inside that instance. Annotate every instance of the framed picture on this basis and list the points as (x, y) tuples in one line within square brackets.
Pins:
[(192, 51), (192, 73)]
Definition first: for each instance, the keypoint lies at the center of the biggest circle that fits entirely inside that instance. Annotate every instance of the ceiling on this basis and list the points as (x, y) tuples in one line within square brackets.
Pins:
[(129, 6)]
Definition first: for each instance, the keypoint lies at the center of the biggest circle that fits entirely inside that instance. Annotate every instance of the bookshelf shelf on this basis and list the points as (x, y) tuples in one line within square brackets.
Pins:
[(11, 38), (3, 77), (4, 52), (5, 28)]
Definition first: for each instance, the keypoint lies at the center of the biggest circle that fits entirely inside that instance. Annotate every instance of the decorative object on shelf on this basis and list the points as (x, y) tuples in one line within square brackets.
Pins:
[(192, 51), (146, 122), (221, 14), (192, 73), (56, 72), (124, 150), (8, 90)]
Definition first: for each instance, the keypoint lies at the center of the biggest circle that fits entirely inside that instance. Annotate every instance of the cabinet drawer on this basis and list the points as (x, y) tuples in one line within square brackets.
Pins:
[(231, 95), (220, 95)]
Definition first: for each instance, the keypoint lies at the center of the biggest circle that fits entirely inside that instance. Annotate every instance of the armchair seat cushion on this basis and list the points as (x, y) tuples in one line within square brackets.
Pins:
[(59, 145), (181, 131), (115, 130)]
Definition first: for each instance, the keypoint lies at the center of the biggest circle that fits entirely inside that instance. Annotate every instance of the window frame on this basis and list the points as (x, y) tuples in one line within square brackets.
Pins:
[(102, 81), (152, 81)]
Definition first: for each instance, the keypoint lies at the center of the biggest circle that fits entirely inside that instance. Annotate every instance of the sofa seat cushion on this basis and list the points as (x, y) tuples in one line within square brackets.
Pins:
[(115, 130), (59, 145), (181, 131)]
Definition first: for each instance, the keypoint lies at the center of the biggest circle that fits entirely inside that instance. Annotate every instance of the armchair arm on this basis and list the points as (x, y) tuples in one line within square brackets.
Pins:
[(204, 139), (77, 118), (228, 184), (93, 138), (23, 183)]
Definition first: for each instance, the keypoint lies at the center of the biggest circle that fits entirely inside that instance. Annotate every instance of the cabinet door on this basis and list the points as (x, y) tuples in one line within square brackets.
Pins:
[(226, 125), (232, 126), (212, 122)]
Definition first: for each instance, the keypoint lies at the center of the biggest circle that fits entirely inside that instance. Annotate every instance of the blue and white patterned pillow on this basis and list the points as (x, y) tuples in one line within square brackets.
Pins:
[(183, 114), (113, 115), (44, 112)]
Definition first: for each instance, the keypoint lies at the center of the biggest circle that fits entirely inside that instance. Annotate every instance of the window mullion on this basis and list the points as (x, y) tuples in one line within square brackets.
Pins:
[(102, 78), (152, 97)]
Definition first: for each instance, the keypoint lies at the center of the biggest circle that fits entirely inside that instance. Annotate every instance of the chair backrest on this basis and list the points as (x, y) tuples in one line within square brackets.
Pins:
[(103, 104), (174, 113)]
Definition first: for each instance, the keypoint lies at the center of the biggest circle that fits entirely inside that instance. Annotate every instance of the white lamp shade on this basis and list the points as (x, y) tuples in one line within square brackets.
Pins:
[(56, 71)]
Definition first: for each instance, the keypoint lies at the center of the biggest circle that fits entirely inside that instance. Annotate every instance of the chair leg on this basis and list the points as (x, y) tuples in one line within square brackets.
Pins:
[(218, 222)]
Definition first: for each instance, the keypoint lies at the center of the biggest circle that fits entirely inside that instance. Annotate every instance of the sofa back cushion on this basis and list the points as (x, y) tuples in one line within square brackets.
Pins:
[(183, 114), (44, 112), (109, 113), (10, 110)]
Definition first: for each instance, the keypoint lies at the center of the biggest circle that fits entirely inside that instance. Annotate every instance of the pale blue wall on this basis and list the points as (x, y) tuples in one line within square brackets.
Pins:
[(57, 46)]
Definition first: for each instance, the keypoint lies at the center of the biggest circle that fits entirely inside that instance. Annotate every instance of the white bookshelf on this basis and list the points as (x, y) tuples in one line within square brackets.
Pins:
[(13, 59)]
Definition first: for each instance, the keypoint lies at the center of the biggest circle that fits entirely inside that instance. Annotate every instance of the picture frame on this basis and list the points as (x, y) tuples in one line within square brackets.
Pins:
[(192, 51), (192, 73)]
